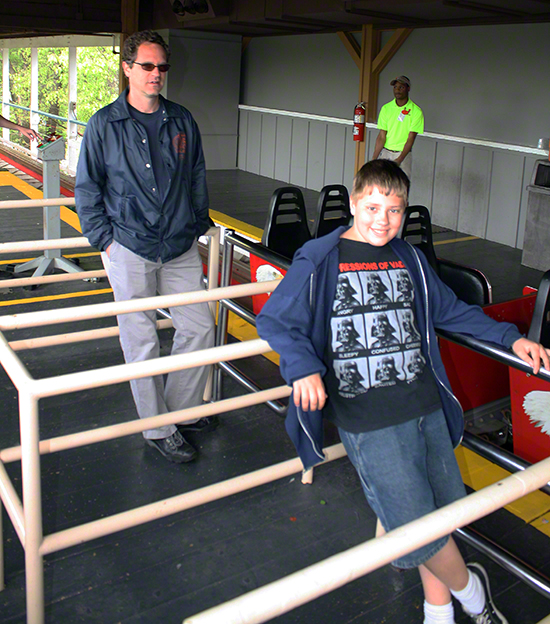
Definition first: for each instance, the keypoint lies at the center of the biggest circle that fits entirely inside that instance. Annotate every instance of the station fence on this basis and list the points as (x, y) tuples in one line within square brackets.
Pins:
[(257, 606)]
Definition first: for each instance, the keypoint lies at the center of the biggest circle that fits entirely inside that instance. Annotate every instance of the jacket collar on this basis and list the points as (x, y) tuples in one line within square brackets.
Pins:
[(119, 108)]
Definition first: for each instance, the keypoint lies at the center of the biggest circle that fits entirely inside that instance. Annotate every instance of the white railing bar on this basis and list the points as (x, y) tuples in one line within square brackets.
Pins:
[(39, 245), (13, 366), (52, 279), (101, 310), (37, 203), (154, 511), (110, 432), (546, 620), (279, 597), (71, 337), (12, 503), (73, 382)]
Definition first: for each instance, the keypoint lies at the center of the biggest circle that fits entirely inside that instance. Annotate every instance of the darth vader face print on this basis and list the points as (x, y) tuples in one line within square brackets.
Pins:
[(346, 294)]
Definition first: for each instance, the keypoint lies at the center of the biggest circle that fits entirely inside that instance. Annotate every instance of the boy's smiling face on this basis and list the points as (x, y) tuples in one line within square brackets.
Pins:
[(377, 217)]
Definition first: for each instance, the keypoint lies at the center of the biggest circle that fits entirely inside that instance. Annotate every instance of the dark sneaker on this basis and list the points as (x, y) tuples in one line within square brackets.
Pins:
[(490, 614), (175, 448), (208, 423)]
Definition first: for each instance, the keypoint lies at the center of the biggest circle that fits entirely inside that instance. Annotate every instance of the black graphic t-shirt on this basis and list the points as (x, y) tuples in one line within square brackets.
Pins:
[(377, 375)]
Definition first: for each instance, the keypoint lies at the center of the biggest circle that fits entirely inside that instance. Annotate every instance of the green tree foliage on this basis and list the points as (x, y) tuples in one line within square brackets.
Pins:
[(97, 82), (97, 85)]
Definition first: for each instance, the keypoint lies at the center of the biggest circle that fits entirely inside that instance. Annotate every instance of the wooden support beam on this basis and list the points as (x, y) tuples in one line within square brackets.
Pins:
[(129, 16), (368, 83), (351, 46)]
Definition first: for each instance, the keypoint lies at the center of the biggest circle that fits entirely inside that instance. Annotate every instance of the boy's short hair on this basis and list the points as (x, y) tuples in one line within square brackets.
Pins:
[(385, 175), (131, 45)]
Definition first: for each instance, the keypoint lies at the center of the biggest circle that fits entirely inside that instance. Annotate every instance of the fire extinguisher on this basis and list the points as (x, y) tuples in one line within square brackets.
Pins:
[(359, 122)]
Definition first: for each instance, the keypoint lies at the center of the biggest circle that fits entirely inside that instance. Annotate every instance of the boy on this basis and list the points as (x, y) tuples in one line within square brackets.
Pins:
[(388, 394)]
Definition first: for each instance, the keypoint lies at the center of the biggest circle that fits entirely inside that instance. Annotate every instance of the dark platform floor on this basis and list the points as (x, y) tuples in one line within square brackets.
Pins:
[(165, 571)]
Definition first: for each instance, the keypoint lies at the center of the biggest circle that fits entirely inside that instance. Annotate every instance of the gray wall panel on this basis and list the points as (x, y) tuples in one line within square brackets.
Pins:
[(206, 70), (283, 149), (336, 143), (446, 195), (474, 191), (254, 142), (505, 197), (308, 74), (298, 158), (217, 151), (243, 140), (422, 182), (267, 153), (317, 149), (528, 167)]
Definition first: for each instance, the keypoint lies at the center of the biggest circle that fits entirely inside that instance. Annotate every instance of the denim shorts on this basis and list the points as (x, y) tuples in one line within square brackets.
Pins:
[(407, 471)]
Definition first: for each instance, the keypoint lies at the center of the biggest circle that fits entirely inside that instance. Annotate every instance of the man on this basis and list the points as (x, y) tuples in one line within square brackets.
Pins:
[(399, 121), (142, 200), (23, 130)]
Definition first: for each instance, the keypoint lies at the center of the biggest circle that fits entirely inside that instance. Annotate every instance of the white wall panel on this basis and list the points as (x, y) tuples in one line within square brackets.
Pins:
[(474, 191)]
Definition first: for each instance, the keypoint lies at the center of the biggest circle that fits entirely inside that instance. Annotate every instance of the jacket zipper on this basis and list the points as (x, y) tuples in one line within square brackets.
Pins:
[(424, 282)]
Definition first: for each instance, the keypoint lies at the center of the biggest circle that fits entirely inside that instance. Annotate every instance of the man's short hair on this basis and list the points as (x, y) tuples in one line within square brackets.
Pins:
[(385, 175), (131, 45)]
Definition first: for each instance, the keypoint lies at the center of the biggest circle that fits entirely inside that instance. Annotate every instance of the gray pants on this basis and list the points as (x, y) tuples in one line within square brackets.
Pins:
[(407, 163), (134, 277)]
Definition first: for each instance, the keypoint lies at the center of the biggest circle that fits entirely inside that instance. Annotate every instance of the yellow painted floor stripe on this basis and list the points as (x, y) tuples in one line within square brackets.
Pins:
[(477, 473), (456, 240), (67, 215), (76, 255), (86, 293), (234, 224)]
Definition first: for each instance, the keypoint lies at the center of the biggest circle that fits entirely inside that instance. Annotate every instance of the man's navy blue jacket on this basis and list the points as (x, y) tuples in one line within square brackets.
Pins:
[(116, 193), (296, 323)]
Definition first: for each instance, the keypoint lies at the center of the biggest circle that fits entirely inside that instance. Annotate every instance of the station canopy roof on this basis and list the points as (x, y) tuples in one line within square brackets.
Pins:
[(27, 18)]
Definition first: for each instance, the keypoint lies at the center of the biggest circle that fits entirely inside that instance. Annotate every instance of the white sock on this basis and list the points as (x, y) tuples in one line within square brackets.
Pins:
[(472, 597), (438, 614)]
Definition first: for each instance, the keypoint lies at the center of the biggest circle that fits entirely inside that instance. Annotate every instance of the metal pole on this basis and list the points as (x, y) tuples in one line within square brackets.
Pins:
[(221, 328), (32, 506), (523, 571), (499, 456)]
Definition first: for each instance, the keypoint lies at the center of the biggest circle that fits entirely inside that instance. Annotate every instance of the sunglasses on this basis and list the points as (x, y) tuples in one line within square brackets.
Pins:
[(148, 67)]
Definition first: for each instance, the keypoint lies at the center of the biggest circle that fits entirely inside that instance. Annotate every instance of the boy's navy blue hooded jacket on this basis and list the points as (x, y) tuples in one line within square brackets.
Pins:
[(296, 323)]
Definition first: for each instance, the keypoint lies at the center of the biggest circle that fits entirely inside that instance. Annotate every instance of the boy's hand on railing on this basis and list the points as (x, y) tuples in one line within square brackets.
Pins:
[(309, 392), (532, 353)]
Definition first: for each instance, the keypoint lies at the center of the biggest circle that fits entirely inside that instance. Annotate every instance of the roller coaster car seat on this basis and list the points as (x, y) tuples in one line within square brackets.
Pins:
[(468, 284), (539, 331), (332, 209), (286, 228), (417, 230)]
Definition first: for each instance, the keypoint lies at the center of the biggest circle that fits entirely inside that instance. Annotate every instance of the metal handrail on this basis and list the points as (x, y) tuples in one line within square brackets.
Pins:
[(232, 240), (44, 114)]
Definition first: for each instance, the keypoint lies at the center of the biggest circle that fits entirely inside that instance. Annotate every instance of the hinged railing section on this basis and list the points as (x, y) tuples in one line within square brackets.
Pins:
[(232, 241)]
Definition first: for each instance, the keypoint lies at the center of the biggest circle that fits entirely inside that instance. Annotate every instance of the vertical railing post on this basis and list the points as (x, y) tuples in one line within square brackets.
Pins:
[(5, 90), (72, 128), (2, 578), (34, 118), (32, 506), (221, 328)]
